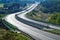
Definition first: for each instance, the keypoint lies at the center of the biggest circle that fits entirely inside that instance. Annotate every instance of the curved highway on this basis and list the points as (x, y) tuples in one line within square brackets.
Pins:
[(40, 23), (33, 32)]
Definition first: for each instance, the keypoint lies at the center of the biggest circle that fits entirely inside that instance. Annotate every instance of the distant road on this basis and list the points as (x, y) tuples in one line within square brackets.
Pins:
[(33, 32)]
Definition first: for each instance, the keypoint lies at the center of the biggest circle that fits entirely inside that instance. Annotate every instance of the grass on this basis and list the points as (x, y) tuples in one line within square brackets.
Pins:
[(1, 5), (2, 15), (57, 32), (9, 35), (33, 17), (1, 24), (52, 18)]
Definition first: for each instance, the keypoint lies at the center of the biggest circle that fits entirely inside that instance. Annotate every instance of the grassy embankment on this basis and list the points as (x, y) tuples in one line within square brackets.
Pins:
[(57, 32), (9, 35), (34, 16)]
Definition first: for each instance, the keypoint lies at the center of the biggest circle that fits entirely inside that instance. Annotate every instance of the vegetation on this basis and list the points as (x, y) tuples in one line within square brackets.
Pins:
[(33, 15), (11, 7), (1, 24), (55, 19), (9, 35), (50, 6), (1, 5), (57, 32)]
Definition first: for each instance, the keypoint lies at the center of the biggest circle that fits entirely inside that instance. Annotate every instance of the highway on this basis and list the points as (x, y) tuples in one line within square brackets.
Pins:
[(33, 32), (40, 23)]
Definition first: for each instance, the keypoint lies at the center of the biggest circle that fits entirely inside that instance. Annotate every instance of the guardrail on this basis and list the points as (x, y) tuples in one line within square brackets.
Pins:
[(14, 29), (9, 26)]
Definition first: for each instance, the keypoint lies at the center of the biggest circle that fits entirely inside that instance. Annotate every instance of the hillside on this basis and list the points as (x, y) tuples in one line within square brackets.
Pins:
[(50, 6), (12, 6), (15, 1), (9, 35)]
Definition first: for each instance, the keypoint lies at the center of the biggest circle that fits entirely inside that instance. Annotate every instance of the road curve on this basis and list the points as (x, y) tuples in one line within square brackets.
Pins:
[(34, 32), (40, 23)]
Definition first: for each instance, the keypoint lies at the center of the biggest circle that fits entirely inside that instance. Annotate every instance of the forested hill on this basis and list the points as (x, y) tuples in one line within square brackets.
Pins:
[(12, 6), (15, 1), (50, 5)]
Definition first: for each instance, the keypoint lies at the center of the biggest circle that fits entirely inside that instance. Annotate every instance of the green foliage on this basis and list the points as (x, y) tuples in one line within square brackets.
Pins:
[(1, 5), (57, 32), (2, 15), (50, 6), (1, 24), (55, 18), (34, 16), (9, 35)]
